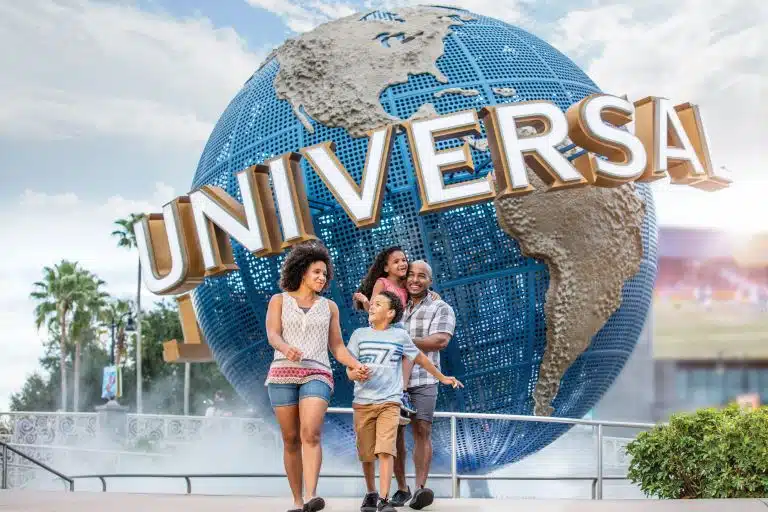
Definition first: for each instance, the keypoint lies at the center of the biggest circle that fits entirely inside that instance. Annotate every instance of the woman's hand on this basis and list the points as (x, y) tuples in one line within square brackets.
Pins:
[(360, 373), (292, 353), (434, 295), (452, 381), (362, 299)]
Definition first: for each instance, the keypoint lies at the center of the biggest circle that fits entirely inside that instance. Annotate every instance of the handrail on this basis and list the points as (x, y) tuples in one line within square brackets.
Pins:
[(454, 476), (454, 416), (4, 472), (520, 417), (438, 476)]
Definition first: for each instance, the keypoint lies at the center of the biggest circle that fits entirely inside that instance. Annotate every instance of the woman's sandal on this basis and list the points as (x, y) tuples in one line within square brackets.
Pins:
[(314, 505)]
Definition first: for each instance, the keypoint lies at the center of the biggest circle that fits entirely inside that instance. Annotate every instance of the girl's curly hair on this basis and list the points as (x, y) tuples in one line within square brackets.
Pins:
[(376, 270), (297, 262)]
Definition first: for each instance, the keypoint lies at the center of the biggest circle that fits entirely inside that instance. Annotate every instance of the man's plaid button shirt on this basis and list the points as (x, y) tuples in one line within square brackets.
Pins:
[(425, 319)]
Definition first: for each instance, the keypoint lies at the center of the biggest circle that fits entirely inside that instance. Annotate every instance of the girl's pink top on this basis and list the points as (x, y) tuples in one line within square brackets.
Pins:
[(397, 290)]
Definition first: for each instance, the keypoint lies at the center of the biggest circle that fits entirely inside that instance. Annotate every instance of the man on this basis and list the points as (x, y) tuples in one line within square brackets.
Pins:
[(430, 324)]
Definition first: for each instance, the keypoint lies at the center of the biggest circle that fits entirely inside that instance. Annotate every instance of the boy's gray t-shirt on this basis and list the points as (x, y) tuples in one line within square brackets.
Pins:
[(382, 352)]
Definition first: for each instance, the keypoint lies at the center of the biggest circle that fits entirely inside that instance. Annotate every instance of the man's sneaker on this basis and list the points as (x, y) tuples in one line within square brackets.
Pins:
[(405, 403), (422, 498), (401, 498), (386, 506), (369, 502)]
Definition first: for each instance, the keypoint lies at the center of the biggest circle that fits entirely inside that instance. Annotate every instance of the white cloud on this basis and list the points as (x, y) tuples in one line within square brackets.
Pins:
[(42, 229), (741, 208), (302, 18), (716, 57), (32, 198), (83, 68), (510, 11)]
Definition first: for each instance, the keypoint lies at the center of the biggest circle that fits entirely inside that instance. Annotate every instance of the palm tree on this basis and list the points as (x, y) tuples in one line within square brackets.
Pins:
[(88, 307), (127, 239), (56, 295)]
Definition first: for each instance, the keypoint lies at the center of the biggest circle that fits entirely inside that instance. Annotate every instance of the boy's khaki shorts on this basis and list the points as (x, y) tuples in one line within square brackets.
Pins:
[(376, 429)]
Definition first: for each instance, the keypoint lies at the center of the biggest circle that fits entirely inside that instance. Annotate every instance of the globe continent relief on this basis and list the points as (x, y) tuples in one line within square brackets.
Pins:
[(550, 290)]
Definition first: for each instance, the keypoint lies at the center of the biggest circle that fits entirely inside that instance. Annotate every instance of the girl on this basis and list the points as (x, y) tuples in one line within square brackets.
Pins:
[(387, 273), (302, 326)]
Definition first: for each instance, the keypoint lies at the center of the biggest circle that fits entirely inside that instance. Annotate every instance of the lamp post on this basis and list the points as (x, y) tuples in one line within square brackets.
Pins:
[(130, 326), (116, 323), (112, 415)]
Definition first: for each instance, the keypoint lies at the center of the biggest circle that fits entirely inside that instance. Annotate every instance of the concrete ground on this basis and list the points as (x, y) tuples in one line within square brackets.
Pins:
[(34, 501)]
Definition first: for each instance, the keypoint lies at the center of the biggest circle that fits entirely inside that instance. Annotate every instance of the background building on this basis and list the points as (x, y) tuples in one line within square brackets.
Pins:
[(710, 320)]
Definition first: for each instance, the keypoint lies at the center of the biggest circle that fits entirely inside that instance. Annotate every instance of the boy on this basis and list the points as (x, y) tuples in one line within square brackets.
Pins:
[(381, 348)]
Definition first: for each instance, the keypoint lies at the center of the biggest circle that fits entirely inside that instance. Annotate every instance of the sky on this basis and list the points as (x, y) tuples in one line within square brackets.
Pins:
[(105, 107)]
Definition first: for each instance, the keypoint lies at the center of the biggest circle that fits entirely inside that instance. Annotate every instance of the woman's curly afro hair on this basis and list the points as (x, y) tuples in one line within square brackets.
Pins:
[(297, 262)]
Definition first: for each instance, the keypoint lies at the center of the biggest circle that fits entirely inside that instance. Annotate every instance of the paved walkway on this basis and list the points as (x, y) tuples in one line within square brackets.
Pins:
[(33, 501)]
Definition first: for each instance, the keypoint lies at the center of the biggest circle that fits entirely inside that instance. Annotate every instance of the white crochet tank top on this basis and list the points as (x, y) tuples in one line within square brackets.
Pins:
[(306, 331)]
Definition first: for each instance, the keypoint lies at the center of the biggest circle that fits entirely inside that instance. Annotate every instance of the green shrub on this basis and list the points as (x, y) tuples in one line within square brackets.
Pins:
[(707, 454)]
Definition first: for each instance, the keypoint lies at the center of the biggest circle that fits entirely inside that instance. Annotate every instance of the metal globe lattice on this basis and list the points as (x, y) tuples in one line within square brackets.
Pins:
[(497, 293)]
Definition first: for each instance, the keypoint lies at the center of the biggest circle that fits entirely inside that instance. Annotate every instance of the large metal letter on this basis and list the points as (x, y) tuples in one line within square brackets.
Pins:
[(431, 164), (593, 125), (219, 216), (361, 202), (292, 202), (667, 145), (690, 117), (168, 250), (511, 153)]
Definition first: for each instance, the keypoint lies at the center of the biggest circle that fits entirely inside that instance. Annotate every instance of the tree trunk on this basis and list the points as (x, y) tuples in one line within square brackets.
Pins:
[(139, 354), (63, 359), (76, 384)]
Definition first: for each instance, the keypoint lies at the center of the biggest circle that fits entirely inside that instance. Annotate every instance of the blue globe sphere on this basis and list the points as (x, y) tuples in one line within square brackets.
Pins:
[(470, 254)]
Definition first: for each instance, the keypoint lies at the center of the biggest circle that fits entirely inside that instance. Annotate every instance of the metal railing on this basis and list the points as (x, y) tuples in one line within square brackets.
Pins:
[(440, 476), (4, 468), (455, 477)]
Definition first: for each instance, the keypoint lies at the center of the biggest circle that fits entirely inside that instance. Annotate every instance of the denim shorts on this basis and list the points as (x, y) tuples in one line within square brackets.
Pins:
[(289, 394)]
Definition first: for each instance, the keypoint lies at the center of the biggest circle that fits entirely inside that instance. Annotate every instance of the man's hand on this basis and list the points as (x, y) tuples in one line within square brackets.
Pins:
[(452, 381), (292, 353)]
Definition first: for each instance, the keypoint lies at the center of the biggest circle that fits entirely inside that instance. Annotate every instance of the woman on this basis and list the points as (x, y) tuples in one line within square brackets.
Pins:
[(302, 326)]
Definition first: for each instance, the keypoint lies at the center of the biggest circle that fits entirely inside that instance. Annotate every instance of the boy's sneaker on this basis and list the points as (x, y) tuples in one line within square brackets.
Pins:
[(405, 403), (370, 502), (386, 506), (404, 419), (400, 498)]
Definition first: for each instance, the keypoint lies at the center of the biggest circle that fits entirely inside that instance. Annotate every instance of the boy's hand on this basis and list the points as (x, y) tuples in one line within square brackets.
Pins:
[(452, 381), (360, 373)]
